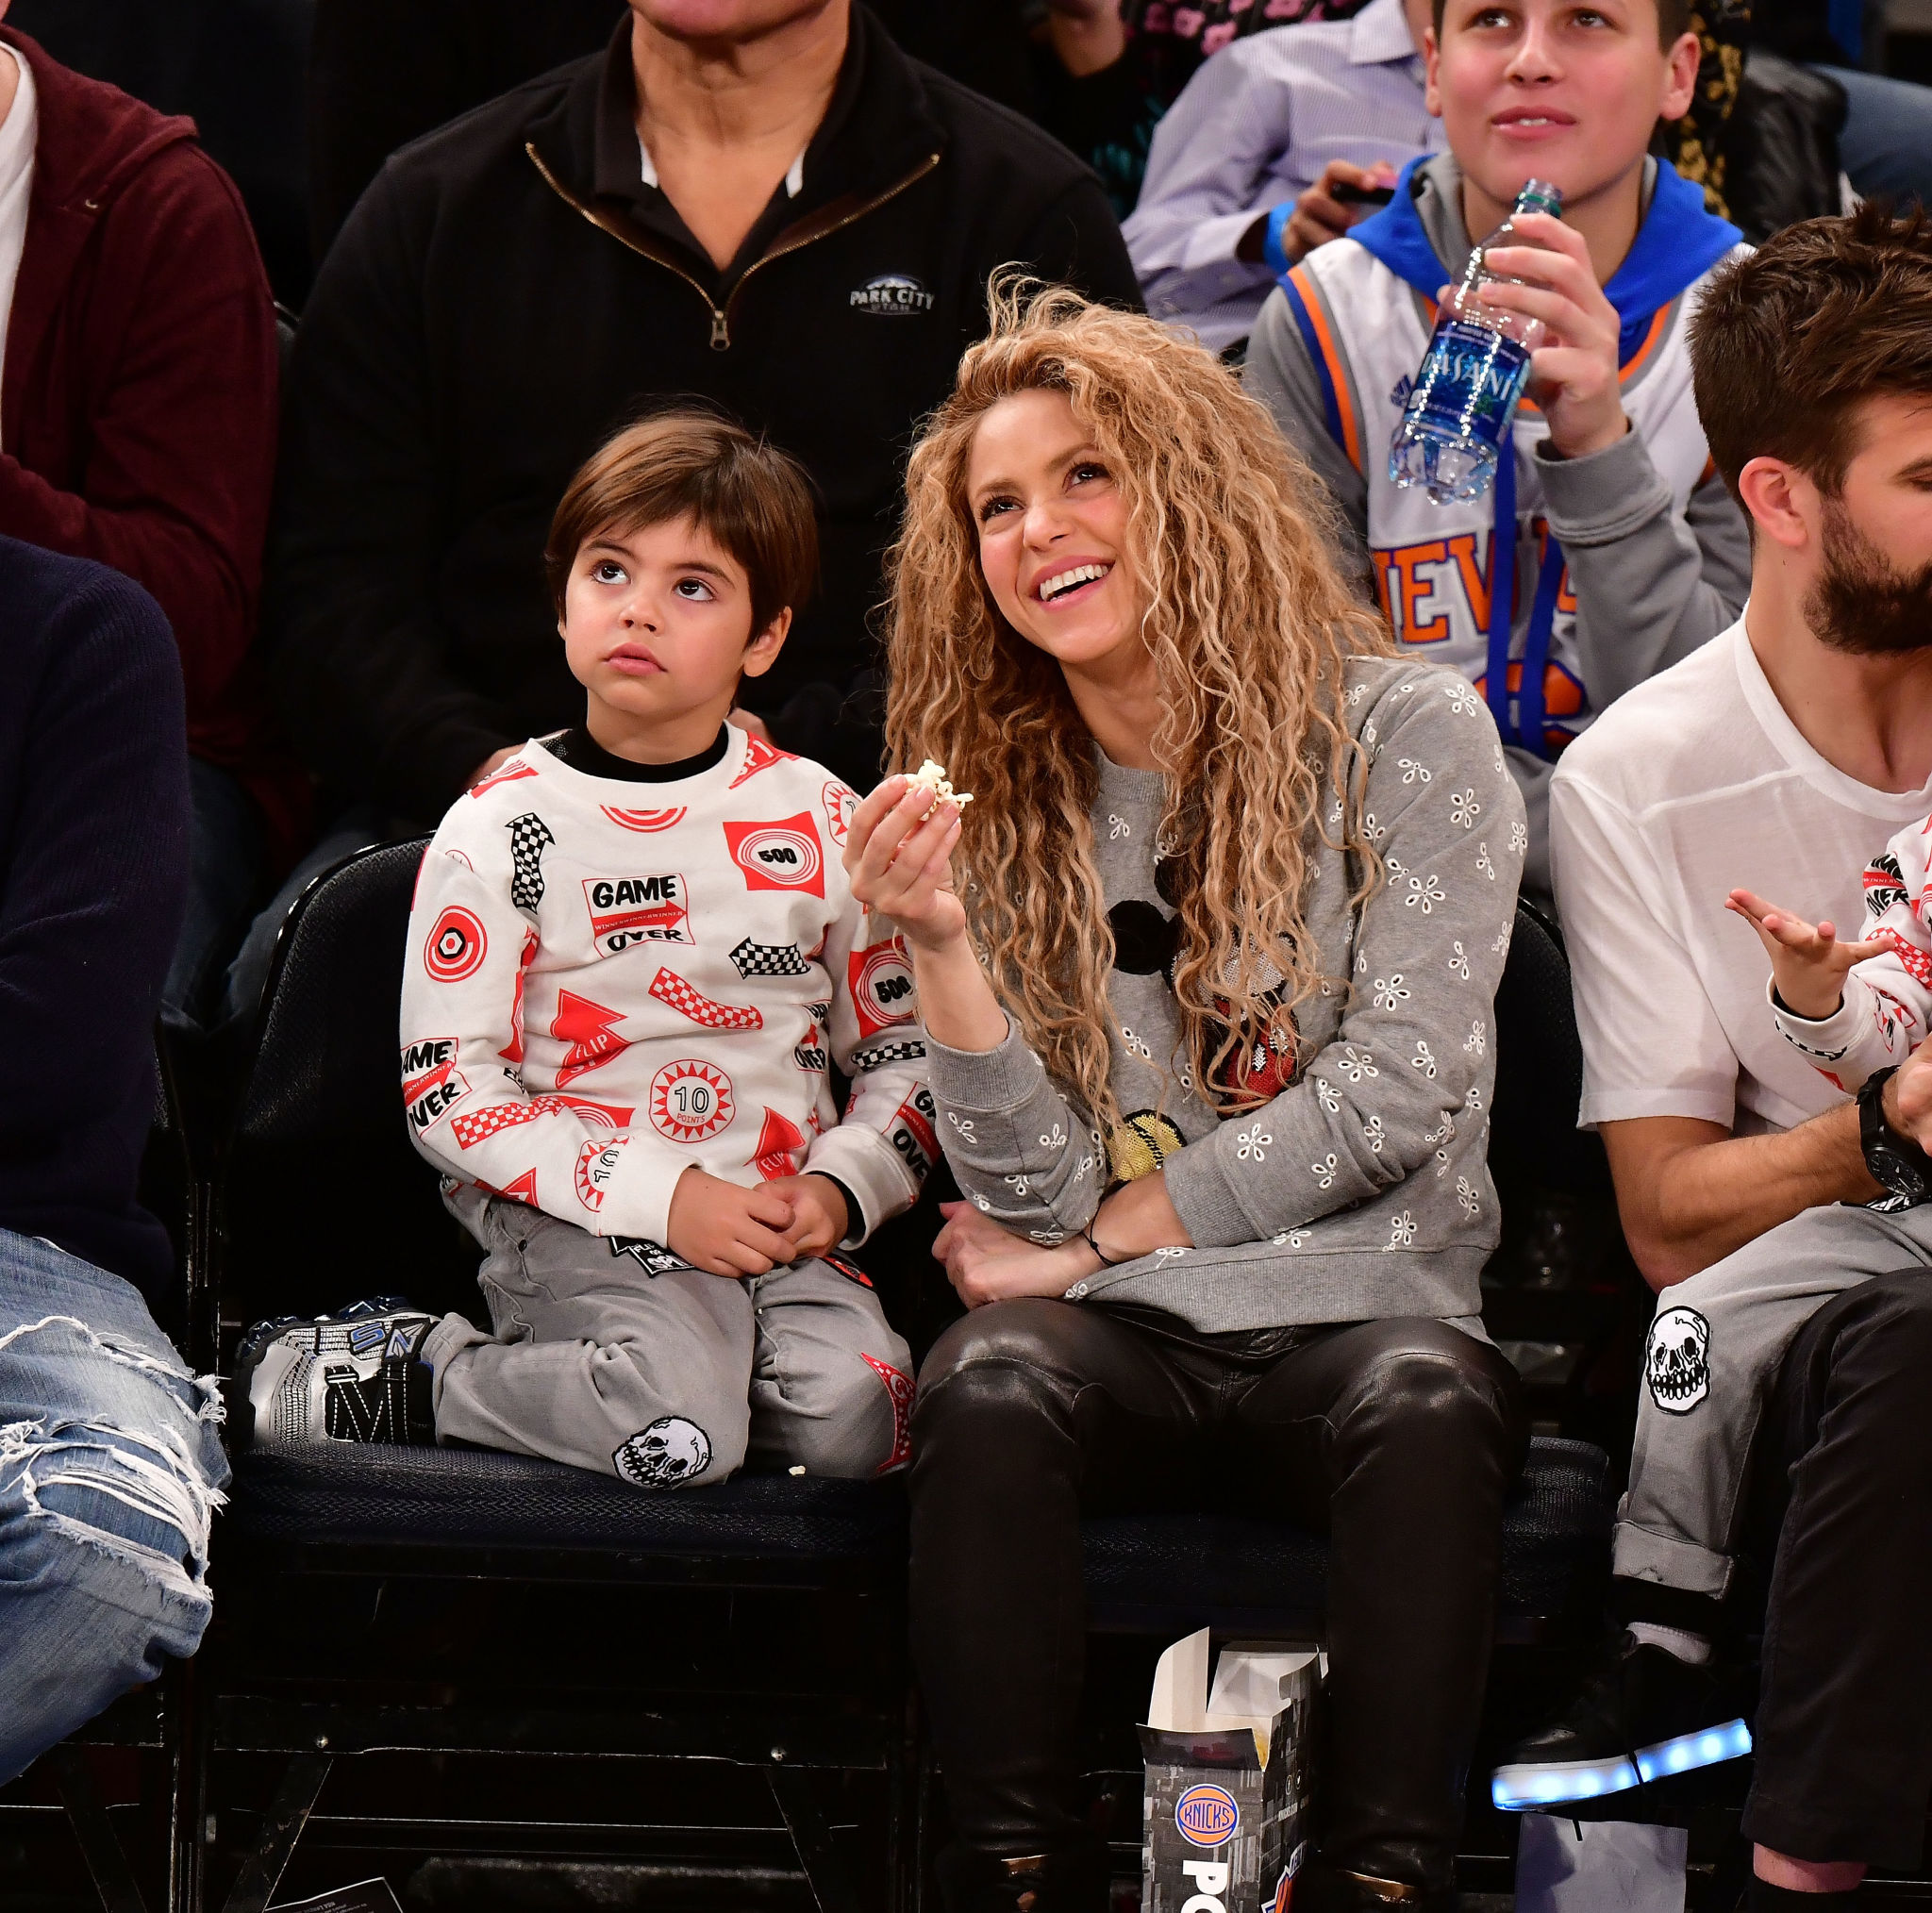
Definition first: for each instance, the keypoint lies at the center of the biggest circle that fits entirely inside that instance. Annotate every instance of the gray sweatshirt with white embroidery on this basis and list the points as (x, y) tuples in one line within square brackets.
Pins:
[(1363, 1190)]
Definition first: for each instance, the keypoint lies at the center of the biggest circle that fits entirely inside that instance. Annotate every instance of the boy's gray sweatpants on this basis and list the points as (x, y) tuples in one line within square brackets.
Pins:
[(1713, 1352), (668, 1379)]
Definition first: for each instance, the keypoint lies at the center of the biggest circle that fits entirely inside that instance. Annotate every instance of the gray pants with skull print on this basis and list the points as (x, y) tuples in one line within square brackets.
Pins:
[(618, 1357), (1712, 1355)]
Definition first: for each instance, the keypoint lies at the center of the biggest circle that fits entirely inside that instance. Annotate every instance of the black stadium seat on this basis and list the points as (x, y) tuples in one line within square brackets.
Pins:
[(320, 1199), (1533, 1133)]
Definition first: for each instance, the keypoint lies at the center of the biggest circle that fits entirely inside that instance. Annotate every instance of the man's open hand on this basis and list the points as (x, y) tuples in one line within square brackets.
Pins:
[(726, 1230), (1808, 960)]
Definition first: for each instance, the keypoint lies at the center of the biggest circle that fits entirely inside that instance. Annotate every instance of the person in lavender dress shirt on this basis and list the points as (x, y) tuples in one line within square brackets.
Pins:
[(1242, 174)]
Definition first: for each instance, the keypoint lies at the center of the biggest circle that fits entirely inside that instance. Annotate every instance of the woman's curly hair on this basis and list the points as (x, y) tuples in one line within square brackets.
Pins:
[(1248, 621)]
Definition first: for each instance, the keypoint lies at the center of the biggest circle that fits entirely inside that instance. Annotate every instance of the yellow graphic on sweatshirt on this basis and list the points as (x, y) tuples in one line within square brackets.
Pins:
[(1140, 1143)]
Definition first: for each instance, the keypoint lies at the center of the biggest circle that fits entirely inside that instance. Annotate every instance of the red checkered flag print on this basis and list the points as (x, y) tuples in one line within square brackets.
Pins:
[(668, 987)]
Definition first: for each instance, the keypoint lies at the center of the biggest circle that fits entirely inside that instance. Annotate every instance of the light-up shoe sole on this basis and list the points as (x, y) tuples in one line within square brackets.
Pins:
[(1534, 1784)]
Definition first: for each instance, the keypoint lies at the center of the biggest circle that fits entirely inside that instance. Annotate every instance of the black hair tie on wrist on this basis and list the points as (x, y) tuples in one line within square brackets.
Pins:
[(1107, 1261)]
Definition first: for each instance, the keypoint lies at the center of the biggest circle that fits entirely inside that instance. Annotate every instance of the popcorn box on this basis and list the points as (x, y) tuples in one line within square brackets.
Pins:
[(1229, 1806)]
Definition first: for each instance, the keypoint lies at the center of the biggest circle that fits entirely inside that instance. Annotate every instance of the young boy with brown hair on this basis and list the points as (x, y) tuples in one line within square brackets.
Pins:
[(1608, 548), (633, 955)]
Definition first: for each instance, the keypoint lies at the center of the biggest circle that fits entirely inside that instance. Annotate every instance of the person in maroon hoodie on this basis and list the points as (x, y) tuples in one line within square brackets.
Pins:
[(137, 369)]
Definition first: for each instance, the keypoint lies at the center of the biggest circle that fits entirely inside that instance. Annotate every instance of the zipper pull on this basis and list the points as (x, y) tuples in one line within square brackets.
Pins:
[(721, 336)]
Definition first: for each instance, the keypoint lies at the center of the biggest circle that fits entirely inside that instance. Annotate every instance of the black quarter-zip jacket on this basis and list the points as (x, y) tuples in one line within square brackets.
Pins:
[(508, 292)]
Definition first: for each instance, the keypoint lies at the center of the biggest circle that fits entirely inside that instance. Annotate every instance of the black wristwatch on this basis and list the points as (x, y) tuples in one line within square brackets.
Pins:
[(1896, 1162)]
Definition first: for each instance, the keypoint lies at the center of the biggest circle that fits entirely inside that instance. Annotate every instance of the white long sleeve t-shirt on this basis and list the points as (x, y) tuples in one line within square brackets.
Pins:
[(609, 982), (1887, 1006)]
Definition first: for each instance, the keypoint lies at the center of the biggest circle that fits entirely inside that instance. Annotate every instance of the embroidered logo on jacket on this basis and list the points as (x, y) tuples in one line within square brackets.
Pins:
[(891, 295), (838, 801)]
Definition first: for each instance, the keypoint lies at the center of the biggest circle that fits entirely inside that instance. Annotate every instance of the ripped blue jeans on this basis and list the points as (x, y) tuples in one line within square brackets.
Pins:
[(110, 1471)]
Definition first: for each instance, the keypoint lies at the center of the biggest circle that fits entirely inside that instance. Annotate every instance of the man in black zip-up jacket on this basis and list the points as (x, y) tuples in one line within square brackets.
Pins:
[(516, 285)]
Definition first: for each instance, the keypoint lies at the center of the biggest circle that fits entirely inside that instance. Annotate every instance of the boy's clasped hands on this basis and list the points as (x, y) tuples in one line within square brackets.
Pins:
[(726, 1230)]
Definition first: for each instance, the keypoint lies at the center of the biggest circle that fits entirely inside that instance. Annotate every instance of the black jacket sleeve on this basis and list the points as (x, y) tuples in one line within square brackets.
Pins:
[(1076, 241), (356, 653), (96, 874)]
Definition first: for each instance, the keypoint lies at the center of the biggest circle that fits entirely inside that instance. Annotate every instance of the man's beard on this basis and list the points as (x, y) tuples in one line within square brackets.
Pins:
[(1859, 604)]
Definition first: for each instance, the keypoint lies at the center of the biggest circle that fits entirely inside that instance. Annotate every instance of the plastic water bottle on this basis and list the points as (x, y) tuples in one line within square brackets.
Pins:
[(1455, 422)]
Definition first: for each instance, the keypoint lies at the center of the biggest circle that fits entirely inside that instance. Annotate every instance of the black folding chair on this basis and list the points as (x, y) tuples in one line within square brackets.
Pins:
[(319, 1198)]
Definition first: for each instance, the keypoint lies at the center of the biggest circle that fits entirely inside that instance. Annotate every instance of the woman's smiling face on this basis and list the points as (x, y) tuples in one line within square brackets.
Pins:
[(1052, 523)]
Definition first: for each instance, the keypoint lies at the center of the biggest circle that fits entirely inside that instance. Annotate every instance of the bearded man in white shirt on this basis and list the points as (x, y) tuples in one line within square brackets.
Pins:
[(1779, 759)]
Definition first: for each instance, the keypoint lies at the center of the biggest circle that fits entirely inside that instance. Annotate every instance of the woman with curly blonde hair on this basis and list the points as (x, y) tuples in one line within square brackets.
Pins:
[(1206, 974)]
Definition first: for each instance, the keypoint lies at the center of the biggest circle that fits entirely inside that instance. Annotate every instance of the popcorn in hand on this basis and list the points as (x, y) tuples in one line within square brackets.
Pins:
[(932, 777)]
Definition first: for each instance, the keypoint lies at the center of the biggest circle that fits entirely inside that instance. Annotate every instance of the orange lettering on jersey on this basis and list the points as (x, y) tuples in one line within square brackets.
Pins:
[(1475, 584), (1415, 629), (1562, 694), (1562, 698), (1383, 565)]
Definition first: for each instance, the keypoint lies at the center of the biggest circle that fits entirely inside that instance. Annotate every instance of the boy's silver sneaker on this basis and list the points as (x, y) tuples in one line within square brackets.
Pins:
[(356, 1375)]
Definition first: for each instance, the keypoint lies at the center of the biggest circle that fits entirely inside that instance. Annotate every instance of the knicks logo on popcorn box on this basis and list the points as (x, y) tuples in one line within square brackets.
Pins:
[(882, 987), (780, 856), (1207, 1815), (638, 909)]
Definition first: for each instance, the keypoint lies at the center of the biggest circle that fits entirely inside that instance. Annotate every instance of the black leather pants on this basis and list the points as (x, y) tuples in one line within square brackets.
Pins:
[(1844, 1718), (1396, 1437)]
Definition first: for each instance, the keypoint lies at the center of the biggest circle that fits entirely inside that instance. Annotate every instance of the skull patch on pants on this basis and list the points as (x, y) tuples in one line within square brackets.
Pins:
[(1676, 1360), (668, 1454)]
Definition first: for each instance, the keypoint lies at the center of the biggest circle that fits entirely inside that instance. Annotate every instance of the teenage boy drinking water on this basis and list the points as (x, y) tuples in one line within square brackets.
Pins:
[(1623, 550), (633, 954)]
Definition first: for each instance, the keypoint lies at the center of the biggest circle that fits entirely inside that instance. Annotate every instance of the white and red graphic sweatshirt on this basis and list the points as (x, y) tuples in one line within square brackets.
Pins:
[(609, 982), (1887, 1002)]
